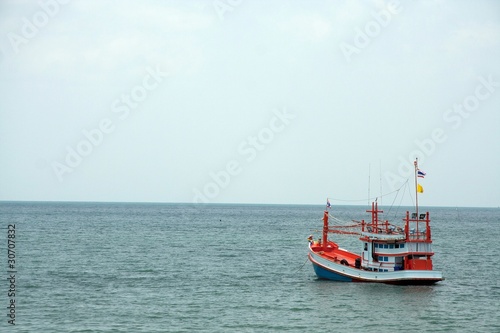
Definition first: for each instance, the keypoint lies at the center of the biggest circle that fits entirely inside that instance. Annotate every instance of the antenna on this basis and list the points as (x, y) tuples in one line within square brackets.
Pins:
[(380, 179), (369, 173)]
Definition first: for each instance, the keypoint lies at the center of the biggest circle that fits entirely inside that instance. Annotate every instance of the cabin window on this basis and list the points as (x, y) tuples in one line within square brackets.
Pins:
[(375, 245), (396, 246), (366, 246), (391, 246), (386, 246), (401, 246), (381, 258)]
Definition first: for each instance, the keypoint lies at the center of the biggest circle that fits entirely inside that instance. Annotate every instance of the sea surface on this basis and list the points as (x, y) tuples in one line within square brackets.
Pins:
[(130, 267)]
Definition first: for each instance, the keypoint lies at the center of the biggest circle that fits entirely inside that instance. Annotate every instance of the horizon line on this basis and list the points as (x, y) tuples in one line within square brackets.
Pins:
[(225, 203)]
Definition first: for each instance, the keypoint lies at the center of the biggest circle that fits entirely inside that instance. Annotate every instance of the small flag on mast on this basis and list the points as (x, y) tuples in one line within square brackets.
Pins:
[(421, 174), (328, 205), (420, 189)]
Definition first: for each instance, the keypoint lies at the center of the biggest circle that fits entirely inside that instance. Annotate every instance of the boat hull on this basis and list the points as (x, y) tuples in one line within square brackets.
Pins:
[(331, 270), (327, 274)]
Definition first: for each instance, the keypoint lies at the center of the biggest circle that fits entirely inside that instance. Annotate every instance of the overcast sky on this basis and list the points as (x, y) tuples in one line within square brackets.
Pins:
[(239, 101)]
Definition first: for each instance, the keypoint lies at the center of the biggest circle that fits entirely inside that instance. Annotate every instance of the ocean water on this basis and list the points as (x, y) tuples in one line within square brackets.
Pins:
[(125, 267)]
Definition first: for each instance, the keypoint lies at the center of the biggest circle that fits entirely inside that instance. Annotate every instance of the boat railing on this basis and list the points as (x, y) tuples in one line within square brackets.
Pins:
[(418, 235), (418, 227), (376, 235), (392, 230)]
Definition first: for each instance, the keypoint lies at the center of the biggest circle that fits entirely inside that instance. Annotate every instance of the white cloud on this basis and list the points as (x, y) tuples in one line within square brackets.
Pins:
[(474, 35), (308, 26), (227, 75), (121, 40)]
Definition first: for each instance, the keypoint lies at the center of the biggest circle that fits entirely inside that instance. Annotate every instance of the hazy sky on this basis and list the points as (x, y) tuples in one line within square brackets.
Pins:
[(243, 101)]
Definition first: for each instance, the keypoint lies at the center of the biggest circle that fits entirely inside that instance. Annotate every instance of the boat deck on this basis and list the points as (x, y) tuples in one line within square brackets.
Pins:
[(336, 254)]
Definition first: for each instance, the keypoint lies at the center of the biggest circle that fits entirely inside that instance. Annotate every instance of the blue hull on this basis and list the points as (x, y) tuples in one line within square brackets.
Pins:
[(329, 275), (326, 274)]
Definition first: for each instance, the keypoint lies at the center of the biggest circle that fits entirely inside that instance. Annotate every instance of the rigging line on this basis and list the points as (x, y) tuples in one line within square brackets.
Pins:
[(343, 221), (392, 204), (380, 196), (336, 219), (343, 226), (399, 206), (396, 196), (412, 203), (400, 200)]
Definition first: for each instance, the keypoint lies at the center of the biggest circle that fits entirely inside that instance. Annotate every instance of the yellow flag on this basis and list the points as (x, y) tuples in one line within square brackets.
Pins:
[(420, 189)]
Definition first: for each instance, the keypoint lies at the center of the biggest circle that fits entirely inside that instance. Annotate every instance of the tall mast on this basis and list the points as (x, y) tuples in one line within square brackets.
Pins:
[(416, 186)]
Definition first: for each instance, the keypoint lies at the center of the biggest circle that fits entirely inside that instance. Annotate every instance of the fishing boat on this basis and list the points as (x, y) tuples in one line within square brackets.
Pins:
[(389, 253)]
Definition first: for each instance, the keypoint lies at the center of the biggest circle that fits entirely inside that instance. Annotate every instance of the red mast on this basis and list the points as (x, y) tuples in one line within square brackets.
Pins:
[(325, 230), (374, 212)]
